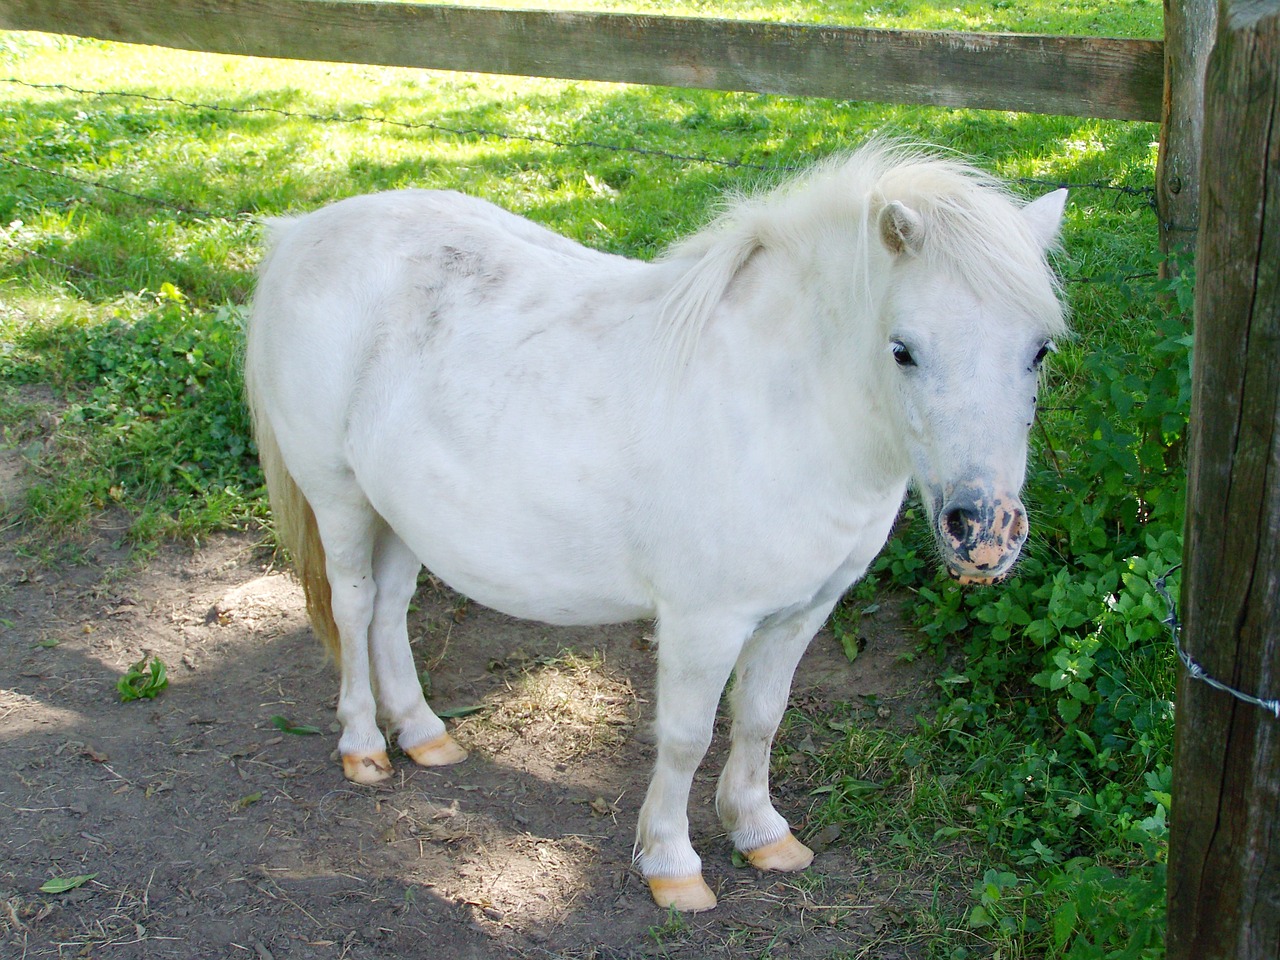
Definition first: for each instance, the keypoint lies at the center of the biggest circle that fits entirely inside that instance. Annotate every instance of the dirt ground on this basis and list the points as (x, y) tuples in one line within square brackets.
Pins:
[(210, 832)]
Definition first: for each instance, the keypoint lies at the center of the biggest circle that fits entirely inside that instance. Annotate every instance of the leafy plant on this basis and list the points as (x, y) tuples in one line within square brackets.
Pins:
[(284, 725), (155, 419), (65, 884), (1062, 706), (144, 680)]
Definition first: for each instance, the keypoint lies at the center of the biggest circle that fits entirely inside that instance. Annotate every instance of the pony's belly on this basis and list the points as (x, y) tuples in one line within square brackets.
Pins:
[(555, 573), (549, 596), (554, 607)]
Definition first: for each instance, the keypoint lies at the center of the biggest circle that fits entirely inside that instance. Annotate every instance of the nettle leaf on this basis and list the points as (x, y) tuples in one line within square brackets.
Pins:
[(1064, 922), (979, 918), (1080, 692)]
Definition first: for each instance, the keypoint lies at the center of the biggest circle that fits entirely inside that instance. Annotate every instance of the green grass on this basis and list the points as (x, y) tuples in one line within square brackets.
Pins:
[(80, 256), (129, 224)]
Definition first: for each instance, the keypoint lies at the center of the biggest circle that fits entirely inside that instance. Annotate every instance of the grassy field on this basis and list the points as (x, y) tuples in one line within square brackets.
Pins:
[(133, 181)]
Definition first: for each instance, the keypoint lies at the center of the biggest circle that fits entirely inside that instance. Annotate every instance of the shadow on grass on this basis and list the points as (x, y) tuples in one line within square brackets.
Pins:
[(229, 159)]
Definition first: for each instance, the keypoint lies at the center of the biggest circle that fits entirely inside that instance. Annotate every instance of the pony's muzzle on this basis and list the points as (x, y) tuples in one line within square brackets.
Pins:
[(980, 536)]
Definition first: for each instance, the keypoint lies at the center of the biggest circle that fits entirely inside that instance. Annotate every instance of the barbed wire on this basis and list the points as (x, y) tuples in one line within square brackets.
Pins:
[(434, 127), (160, 202), (69, 267), (1194, 669), (188, 210), (1145, 191)]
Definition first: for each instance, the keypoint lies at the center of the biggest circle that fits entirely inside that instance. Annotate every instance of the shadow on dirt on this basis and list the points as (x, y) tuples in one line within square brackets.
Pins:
[(208, 831)]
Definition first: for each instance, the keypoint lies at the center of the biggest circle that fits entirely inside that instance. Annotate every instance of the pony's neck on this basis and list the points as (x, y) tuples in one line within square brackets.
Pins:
[(840, 286), (802, 315)]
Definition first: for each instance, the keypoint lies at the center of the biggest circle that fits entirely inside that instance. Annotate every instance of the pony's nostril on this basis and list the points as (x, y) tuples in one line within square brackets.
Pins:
[(1018, 529), (958, 523)]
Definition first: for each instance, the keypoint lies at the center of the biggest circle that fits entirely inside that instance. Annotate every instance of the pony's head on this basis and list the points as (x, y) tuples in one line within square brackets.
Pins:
[(971, 311)]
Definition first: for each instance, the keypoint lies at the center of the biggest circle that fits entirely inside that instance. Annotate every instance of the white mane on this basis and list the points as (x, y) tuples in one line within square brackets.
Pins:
[(972, 231)]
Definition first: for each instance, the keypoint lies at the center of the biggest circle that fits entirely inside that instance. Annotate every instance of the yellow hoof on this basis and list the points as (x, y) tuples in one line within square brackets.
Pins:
[(686, 894), (787, 855), (440, 752), (366, 768)]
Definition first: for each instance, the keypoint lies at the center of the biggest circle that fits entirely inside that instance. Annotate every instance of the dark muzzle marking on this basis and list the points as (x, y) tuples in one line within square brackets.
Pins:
[(980, 534)]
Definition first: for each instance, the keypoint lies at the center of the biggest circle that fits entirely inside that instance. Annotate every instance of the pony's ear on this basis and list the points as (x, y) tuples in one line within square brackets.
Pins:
[(901, 228), (1043, 217)]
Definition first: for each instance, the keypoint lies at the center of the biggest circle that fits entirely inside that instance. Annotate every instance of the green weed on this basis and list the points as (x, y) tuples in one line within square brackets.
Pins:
[(285, 725), (153, 417), (144, 680), (1060, 718), (66, 884)]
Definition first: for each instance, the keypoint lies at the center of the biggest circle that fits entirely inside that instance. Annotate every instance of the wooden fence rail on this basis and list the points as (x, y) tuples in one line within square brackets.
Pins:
[(1070, 76)]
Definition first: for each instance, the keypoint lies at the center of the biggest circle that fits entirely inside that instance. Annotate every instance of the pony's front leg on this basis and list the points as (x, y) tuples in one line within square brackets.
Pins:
[(762, 683), (695, 658)]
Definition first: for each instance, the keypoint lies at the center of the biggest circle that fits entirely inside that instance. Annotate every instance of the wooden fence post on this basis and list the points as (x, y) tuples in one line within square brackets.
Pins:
[(1188, 36), (1224, 859)]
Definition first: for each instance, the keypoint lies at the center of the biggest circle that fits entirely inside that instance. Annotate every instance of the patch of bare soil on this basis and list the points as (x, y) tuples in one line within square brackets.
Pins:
[(210, 832)]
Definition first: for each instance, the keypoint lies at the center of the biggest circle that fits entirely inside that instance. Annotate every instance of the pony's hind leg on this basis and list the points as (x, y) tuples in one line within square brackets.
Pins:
[(401, 703), (762, 683), (695, 657), (348, 531)]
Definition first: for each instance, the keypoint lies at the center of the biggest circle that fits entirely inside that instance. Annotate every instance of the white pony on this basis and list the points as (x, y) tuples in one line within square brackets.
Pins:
[(720, 439)]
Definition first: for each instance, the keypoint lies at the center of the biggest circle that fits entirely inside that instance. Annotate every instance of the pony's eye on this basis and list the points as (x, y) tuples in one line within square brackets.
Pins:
[(1046, 349), (901, 355)]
